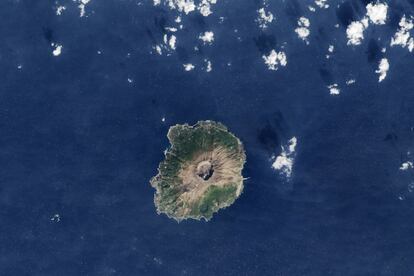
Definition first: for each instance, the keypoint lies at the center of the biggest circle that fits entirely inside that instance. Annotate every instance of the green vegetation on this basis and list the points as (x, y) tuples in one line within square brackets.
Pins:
[(180, 192), (204, 136), (215, 197)]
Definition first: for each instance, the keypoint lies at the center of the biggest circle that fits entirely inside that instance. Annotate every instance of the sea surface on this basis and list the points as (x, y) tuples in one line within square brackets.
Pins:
[(83, 129)]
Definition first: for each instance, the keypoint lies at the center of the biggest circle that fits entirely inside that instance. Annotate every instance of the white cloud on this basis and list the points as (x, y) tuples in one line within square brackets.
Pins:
[(185, 6), (284, 162), (82, 5), (207, 37), (355, 31), (264, 18), (60, 9), (330, 50), (351, 81), (171, 29), (334, 89), (322, 4), (188, 67), (55, 218), (57, 49), (169, 45), (205, 7), (158, 49), (274, 59), (403, 37), (382, 70), (172, 42), (406, 165), (208, 66), (188, 6), (377, 13), (303, 28)]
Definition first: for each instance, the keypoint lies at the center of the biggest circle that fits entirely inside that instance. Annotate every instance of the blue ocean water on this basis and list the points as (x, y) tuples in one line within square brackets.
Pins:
[(79, 142)]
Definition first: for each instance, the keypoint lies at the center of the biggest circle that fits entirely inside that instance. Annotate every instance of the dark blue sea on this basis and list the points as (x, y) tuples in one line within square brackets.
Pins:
[(86, 102)]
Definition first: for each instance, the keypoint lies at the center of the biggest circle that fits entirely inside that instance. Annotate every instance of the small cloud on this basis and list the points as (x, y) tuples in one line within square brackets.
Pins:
[(382, 70), (284, 162), (274, 59), (334, 89), (82, 5), (322, 4), (60, 9), (57, 49), (55, 218), (377, 13), (188, 67), (351, 81), (303, 29), (172, 42), (355, 31), (406, 165), (207, 37), (209, 67), (264, 18), (403, 37)]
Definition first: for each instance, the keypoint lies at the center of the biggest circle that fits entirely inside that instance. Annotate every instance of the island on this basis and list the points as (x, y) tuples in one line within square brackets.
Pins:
[(201, 172)]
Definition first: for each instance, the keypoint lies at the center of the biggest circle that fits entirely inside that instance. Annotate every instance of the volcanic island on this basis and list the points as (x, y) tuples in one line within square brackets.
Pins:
[(201, 172)]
